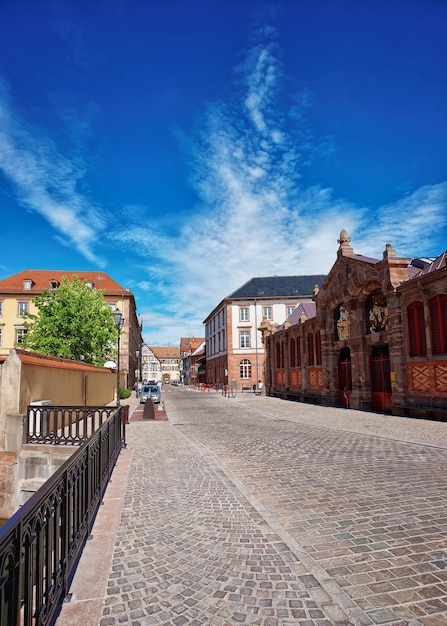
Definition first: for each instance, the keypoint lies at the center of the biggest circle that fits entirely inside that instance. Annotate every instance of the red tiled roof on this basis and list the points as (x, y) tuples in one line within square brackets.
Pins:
[(168, 352), (188, 344), (41, 281), (34, 358), (200, 349)]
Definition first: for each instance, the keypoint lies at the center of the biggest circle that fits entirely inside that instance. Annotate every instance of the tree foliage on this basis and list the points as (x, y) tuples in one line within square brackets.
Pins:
[(74, 322)]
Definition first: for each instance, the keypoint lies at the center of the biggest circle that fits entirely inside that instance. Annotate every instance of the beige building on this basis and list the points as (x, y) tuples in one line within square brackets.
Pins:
[(17, 293), (234, 349), (164, 363)]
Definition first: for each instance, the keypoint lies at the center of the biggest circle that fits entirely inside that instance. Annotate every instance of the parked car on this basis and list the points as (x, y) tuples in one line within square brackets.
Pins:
[(152, 392)]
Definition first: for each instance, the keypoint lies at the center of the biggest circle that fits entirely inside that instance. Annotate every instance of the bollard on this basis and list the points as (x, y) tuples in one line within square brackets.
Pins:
[(149, 410), (125, 408)]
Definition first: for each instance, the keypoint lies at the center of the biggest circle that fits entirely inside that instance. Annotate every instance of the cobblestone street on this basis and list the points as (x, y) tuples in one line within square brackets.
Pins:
[(254, 510)]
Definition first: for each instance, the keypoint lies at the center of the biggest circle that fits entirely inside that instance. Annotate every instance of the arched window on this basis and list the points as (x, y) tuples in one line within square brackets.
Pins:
[(416, 329), (245, 368), (438, 323)]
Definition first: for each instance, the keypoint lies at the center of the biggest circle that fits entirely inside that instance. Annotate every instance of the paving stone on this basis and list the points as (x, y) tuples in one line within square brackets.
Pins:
[(260, 511)]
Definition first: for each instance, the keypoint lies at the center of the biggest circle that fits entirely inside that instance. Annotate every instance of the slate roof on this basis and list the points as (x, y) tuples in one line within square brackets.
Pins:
[(440, 263), (308, 308), (41, 281), (278, 287)]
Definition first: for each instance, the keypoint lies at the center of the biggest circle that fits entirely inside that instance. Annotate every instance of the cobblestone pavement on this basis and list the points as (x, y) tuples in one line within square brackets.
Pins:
[(253, 510)]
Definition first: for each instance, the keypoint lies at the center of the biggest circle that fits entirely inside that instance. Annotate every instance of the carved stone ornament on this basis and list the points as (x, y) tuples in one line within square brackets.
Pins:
[(343, 324), (344, 237)]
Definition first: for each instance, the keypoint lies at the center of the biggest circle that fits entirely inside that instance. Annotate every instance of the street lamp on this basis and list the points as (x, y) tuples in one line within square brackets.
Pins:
[(119, 321)]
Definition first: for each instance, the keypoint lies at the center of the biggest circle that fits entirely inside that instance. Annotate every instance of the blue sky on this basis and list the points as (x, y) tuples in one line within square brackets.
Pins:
[(185, 147)]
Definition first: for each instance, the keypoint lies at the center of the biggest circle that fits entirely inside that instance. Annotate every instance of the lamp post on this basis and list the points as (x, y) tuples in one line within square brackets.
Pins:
[(119, 321)]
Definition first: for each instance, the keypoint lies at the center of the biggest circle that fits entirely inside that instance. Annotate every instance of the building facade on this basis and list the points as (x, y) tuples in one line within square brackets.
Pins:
[(188, 346), (17, 293), (376, 338), (164, 363), (197, 361), (234, 348)]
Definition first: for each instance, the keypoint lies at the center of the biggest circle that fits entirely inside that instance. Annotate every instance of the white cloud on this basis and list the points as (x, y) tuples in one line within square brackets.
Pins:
[(47, 182), (409, 224), (256, 217)]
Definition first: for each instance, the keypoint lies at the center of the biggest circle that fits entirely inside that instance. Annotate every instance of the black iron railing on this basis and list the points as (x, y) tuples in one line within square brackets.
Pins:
[(41, 544), (70, 425)]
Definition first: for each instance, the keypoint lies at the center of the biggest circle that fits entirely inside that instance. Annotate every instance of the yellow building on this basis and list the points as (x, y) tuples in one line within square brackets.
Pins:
[(17, 293)]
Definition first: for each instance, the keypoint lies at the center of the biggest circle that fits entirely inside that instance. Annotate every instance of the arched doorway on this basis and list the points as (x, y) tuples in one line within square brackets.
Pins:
[(344, 377), (380, 378)]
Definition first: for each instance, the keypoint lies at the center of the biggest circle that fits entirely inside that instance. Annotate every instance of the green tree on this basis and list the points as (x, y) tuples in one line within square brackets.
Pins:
[(74, 322)]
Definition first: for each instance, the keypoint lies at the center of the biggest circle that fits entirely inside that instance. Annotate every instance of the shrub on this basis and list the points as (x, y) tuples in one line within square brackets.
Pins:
[(125, 393)]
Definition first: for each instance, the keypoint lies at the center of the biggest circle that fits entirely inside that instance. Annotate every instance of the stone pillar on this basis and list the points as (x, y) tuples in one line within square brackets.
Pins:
[(15, 434), (8, 484), (10, 382)]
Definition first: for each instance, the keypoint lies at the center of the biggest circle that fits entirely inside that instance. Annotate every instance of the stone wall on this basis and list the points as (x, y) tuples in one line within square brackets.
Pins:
[(26, 377)]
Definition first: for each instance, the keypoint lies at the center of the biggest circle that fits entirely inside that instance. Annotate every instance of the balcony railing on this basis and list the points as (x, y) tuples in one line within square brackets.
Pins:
[(41, 544), (70, 425)]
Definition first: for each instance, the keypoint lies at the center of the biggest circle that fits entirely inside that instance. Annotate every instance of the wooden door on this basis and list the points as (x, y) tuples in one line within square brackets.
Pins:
[(381, 380), (344, 377)]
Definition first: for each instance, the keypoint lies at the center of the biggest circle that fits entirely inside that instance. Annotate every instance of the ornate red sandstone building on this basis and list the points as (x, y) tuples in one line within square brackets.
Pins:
[(375, 337)]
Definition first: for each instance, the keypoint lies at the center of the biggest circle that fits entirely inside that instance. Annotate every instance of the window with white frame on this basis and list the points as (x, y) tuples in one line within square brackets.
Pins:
[(267, 312), (244, 338), (1, 308), (22, 308), (1, 336), (290, 310), (27, 283), (243, 313), (20, 334), (245, 369)]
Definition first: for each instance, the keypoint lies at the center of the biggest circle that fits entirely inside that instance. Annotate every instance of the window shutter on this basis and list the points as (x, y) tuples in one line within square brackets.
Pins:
[(292, 351), (318, 347), (416, 329), (438, 323), (310, 348)]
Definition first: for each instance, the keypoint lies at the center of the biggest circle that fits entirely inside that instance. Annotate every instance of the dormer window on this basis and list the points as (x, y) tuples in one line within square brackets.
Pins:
[(27, 283), (88, 283), (54, 284)]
